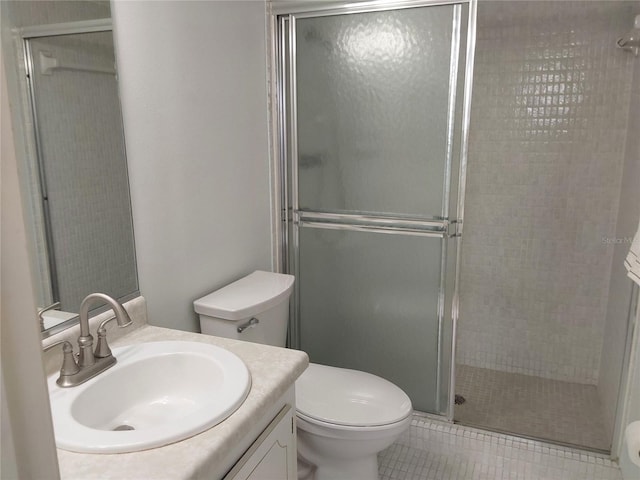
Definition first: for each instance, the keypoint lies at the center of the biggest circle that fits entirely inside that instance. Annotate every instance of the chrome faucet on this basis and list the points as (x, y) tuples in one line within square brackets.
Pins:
[(90, 363)]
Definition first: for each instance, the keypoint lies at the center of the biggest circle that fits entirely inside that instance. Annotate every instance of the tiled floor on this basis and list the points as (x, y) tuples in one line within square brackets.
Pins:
[(434, 450), (532, 406)]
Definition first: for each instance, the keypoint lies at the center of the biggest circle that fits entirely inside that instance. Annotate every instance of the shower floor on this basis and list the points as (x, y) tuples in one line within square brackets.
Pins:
[(558, 411)]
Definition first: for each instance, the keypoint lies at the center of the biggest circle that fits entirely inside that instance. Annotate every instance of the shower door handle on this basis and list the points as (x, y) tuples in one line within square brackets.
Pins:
[(373, 223)]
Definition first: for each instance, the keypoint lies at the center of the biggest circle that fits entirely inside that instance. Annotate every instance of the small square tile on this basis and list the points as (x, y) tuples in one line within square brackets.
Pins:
[(532, 406), (427, 450)]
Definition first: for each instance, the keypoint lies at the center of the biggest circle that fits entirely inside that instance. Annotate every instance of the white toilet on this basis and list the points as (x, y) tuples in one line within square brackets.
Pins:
[(344, 417)]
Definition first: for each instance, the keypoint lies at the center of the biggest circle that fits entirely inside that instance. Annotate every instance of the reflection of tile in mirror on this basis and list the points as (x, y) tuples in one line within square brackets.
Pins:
[(83, 158)]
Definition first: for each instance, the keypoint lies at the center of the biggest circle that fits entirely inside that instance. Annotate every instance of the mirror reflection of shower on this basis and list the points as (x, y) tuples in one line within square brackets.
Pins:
[(80, 204), (49, 64)]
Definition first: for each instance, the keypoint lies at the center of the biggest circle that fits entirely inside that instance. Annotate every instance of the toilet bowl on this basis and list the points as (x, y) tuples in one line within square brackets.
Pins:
[(344, 417)]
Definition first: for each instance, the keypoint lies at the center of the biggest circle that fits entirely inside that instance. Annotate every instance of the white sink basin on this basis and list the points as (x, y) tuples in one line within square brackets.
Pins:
[(158, 393)]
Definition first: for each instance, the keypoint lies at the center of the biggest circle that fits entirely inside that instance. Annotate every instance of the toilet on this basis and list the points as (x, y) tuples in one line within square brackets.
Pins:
[(344, 417)]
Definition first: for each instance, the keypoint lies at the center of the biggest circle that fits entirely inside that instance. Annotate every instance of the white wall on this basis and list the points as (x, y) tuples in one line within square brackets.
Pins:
[(28, 450), (193, 88)]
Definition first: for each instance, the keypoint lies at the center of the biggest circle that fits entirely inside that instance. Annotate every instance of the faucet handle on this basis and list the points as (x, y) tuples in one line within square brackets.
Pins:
[(102, 347), (69, 364)]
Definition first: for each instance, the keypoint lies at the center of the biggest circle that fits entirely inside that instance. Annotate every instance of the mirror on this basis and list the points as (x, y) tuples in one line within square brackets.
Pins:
[(79, 193)]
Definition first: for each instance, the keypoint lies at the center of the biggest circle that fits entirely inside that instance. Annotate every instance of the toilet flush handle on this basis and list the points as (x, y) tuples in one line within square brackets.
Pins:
[(251, 323)]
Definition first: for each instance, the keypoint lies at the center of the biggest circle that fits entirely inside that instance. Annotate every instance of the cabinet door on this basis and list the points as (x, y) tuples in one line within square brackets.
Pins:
[(273, 455)]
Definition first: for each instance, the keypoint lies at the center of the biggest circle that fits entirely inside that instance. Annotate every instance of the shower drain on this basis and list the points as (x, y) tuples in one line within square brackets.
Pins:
[(124, 427), (459, 400)]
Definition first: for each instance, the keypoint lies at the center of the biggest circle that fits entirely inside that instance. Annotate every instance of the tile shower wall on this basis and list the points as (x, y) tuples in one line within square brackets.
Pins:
[(548, 127)]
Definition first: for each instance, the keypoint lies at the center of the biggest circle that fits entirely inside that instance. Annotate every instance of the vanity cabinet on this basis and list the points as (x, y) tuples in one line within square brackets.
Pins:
[(273, 455)]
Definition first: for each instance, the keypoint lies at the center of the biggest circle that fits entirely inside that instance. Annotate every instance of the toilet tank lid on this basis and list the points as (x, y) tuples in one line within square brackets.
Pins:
[(247, 297)]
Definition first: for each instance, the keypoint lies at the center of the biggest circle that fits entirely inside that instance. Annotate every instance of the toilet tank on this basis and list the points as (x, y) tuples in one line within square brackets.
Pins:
[(254, 308)]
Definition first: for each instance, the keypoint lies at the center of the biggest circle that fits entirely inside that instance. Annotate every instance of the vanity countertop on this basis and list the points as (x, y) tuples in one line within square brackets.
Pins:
[(273, 372)]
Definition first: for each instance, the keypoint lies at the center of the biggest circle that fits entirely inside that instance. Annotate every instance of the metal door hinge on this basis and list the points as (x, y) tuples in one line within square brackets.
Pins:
[(286, 214), (454, 229)]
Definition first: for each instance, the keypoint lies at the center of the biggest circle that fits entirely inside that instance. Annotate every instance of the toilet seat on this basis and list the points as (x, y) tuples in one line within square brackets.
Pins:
[(346, 399)]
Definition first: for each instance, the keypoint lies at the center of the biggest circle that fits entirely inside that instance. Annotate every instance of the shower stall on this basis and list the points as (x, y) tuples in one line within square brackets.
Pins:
[(390, 132), (544, 296)]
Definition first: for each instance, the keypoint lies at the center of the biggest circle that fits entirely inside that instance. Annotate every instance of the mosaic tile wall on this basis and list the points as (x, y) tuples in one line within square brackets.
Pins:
[(548, 128)]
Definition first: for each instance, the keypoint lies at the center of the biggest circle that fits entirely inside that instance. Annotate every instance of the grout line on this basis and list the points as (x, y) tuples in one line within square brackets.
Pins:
[(433, 449)]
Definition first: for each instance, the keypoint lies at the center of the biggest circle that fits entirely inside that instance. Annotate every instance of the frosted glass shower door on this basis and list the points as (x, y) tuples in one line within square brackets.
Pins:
[(369, 301), (372, 175), (372, 104)]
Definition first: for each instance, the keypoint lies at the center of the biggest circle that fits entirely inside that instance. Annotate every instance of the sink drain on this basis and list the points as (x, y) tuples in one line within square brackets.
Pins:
[(121, 428)]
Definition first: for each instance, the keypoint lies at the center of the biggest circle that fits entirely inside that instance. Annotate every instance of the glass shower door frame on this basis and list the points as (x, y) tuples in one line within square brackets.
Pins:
[(448, 229)]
